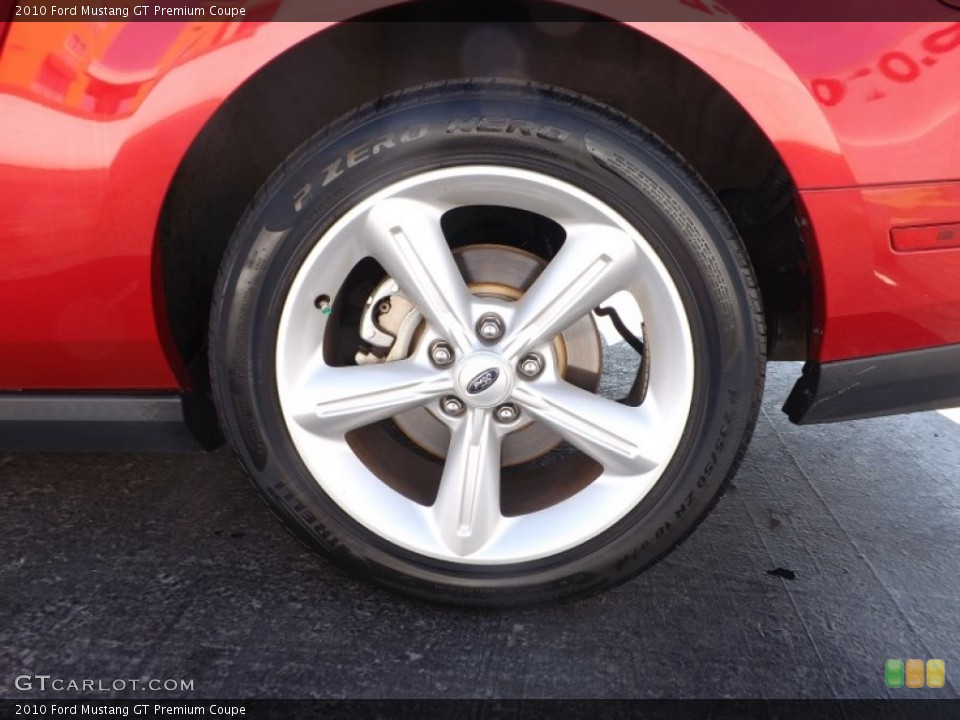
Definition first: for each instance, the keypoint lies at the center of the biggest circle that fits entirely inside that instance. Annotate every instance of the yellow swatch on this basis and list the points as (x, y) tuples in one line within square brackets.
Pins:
[(936, 673)]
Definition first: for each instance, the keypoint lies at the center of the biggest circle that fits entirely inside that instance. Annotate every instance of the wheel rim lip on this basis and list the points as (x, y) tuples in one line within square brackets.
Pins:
[(386, 513)]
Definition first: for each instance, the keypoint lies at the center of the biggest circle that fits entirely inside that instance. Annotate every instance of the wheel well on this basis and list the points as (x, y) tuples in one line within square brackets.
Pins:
[(353, 63)]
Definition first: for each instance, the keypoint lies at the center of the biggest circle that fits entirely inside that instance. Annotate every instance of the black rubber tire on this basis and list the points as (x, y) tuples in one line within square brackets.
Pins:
[(577, 140)]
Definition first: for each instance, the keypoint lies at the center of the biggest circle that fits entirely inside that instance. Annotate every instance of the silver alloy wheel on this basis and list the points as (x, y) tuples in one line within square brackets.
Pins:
[(602, 256)]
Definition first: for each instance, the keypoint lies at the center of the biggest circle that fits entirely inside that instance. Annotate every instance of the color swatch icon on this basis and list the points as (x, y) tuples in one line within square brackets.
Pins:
[(893, 670), (936, 673), (896, 673), (914, 673)]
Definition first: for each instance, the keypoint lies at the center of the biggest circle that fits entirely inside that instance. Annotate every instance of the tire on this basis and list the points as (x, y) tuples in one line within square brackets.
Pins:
[(366, 397)]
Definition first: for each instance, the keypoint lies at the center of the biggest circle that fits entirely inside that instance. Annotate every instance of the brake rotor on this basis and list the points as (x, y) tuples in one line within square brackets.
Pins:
[(505, 272)]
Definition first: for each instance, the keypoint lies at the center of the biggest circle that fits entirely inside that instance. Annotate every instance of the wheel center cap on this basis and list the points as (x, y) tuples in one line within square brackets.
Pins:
[(483, 379)]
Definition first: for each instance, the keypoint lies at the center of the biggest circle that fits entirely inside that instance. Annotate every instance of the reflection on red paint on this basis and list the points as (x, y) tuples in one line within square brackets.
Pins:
[(888, 91), (83, 171), (897, 66), (103, 69)]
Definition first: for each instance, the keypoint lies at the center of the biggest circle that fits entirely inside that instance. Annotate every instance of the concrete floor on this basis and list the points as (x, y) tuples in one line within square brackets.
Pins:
[(170, 567)]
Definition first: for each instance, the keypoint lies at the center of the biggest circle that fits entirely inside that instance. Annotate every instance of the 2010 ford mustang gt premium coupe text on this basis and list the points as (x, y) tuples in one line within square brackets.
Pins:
[(483, 308)]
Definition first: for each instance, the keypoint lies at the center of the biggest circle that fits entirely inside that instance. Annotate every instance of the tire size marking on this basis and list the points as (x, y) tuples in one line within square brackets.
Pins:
[(691, 496), (655, 190)]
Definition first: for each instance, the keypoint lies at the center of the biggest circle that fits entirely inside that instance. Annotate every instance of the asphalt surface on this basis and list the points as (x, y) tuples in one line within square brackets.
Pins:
[(169, 567)]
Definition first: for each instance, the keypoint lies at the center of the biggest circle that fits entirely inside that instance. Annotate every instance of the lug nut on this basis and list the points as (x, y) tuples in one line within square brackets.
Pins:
[(441, 353), (490, 327), (507, 413), (530, 365), (452, 405)]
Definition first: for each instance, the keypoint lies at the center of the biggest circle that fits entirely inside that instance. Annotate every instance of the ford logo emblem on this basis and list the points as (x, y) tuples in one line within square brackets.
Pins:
[(482, 381)]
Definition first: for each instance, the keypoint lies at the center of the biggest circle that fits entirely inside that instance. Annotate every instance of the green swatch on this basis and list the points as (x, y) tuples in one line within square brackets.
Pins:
[(894, 673)]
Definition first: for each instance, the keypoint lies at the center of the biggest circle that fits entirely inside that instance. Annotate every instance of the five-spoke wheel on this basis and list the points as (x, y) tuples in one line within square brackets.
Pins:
[(466, 361)]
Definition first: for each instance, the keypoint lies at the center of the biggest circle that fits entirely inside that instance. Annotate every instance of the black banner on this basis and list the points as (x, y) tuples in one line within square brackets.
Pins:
[(491, 709)]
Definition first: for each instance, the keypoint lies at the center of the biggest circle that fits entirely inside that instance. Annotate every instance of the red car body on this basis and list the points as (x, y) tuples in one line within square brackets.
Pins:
[(96, 119)]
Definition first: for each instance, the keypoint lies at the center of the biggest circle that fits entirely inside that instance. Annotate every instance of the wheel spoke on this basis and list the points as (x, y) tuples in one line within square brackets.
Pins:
[(467, 509), (406, 238), (624, 440), (594, 263), (339, 399)]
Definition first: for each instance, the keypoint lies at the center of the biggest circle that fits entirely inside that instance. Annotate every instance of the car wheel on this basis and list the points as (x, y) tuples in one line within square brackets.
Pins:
[(487, 343)]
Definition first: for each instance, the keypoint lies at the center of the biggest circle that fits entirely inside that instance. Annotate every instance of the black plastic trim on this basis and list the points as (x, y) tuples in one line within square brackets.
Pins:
[(104, 422), (874, 386)]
